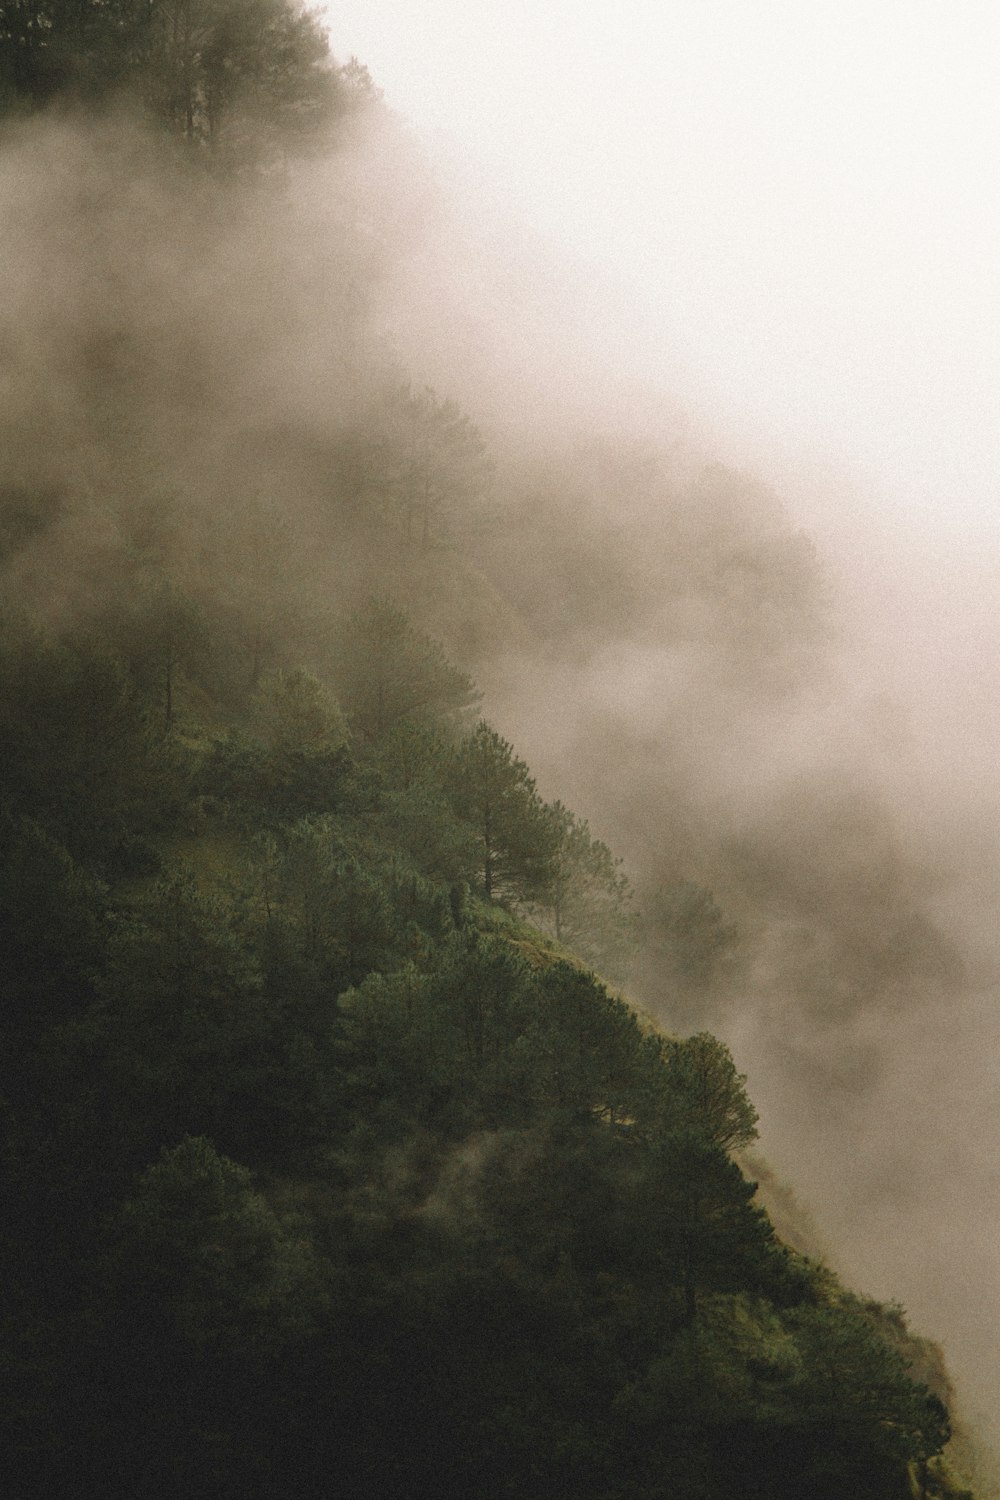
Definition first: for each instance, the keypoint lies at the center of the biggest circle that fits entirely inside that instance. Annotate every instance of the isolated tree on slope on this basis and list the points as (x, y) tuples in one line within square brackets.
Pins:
[(706, 1093)]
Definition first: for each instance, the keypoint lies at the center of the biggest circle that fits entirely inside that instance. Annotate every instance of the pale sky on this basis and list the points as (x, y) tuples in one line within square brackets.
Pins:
[(805, 193)]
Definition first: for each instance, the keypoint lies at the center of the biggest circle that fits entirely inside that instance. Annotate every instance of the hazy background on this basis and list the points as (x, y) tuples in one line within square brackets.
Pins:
[(771, 229), (802, 198)]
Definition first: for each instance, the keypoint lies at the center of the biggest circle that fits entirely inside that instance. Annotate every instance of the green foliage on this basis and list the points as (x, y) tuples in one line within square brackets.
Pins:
[(590, 897), (175, 1041), (212, 1254), (489, 1238), (744, 1402), (389, 673), (335, 910), (256, 788), (706, 1094), (201, 1296), (53, 916), (443, 1048), (412, 812), (590, 1058), (246, 79), (425, 465), (855, 1390), (77, 747), (401, 1050), (294, 714), (493, 791)]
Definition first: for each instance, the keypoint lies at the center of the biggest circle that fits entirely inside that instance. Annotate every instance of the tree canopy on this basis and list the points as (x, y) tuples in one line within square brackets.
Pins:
[(493, 790), (243, 80)]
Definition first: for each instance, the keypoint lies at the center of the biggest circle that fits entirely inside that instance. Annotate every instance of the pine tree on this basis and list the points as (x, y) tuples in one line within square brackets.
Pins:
[(495, 793)]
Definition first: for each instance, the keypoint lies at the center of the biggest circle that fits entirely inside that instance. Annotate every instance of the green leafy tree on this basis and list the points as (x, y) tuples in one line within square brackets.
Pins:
[(250, 79), (401, 1052), (204, 1299), (177, 1040), (78, 754), (258, 789), (295, 715), (486, 985), (709, 1235), (53, 915), (226, 1271), (493, 790), (590, 896), (865, 1420), (704, 1092), (162, 634), (448, 1048), (434, 463), (328, 914), (590, 1057), (411, 812), (388, 672)]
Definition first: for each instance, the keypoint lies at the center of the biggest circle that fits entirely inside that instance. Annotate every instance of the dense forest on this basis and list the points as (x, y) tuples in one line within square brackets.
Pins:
[(337, 1160)]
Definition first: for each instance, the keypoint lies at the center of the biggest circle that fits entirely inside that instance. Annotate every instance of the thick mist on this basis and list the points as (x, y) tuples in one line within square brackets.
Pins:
[(782, 687), (743, 680)]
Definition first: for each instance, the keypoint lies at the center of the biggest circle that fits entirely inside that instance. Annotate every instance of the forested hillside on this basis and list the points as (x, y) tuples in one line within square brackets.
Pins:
[(337, 1161)]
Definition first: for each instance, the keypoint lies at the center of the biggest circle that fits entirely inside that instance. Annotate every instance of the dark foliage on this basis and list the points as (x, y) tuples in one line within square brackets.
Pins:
[(318, 1187)]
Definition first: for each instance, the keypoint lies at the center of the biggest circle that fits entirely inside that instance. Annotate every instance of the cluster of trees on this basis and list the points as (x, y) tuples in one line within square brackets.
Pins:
[(428, 463), (251, 76), (344, 1177)]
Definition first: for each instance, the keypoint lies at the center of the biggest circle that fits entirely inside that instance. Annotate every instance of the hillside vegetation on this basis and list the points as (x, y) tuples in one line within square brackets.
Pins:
[(329, 1175), (336, 1162)]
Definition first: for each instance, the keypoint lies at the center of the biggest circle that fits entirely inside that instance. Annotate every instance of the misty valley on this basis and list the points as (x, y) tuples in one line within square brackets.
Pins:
[(414, 852)]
